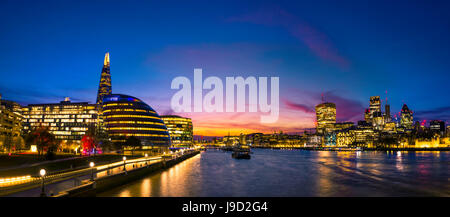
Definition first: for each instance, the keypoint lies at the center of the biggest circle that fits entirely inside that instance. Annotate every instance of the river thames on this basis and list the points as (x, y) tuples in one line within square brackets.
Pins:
[(298, 173)]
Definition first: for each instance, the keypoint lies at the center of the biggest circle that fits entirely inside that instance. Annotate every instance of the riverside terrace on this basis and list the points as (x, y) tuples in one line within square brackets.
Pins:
[(91, 179)]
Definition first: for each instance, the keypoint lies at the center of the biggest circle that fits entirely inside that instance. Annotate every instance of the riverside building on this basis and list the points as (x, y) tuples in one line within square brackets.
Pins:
[(67, 120), (10, 124), (180, 130), (125, 116), (406, 120), (326, 117)]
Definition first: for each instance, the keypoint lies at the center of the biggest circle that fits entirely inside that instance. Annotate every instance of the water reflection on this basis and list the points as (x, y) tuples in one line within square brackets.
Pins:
[(125, 193), (299, 173), (146, 188)]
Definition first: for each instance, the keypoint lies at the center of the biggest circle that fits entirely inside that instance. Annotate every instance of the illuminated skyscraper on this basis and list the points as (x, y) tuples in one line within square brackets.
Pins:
[(387, 113), (375, 105), (367, 116), (377, 120), (104, 88), (406, 120), (326, 116)]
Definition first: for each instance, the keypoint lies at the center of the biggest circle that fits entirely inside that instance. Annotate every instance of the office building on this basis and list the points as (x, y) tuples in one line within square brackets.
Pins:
[(375, 105), (10, 125), (437, 126), (180, 130), (406, 120), (67, 120), (326, 117), (387, 113)]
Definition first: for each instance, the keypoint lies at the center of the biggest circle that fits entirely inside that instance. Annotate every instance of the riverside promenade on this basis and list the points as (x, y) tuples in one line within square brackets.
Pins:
[(88, 181)]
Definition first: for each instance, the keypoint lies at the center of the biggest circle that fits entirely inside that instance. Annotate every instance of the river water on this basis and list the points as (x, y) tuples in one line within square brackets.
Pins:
[(298, 173)]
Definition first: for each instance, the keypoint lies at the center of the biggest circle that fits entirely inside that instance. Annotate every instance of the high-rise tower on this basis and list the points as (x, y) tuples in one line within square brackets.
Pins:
[(104, 88), (406, 117), (326, 116), (375, 104), (387, 113)]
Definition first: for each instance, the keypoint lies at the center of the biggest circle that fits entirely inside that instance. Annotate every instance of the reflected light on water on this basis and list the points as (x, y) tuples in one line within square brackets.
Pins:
[(146, 188), (125, 193), (298, 173), (324, 182), (398, 161), (344, 160), (163, 183), (174, 180)]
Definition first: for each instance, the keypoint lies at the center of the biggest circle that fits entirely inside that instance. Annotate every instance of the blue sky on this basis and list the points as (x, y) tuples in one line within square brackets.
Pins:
[(348, 50)]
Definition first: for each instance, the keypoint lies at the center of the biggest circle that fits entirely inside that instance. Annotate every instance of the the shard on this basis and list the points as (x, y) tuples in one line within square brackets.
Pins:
[(104, 88)]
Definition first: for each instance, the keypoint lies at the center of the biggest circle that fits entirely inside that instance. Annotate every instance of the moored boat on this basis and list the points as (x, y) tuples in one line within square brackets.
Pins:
[(241, 152)]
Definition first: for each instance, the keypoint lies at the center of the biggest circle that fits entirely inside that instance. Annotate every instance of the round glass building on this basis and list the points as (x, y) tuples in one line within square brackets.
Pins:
[(126, 116)]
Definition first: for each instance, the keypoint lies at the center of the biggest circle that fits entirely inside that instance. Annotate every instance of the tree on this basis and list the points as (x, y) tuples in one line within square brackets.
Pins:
[(88, 143), (90, 140), (103, 140), (134, 143), (7, 143), (43, 139), (18, 143), (119, 142), (68, 145), (29, 140)]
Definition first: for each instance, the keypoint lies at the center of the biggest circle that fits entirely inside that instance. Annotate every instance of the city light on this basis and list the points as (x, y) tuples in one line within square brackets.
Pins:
[(302, 111), (42, 172)]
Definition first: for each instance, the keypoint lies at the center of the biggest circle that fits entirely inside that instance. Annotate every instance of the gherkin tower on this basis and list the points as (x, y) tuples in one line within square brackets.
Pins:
[(104, 88)]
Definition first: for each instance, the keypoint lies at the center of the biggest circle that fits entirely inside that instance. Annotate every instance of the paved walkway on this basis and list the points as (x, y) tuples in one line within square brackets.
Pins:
[(73, 181), (37, 164)]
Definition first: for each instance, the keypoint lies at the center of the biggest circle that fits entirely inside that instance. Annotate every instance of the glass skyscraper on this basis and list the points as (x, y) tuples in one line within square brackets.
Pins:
[(104, 88)]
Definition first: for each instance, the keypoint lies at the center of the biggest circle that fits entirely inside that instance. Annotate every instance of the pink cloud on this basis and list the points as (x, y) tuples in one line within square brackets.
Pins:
[(298, 107), (317, 42), (347, 109)]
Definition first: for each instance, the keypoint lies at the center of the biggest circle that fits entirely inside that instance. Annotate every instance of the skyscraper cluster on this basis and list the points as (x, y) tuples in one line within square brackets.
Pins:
[(377, 126)]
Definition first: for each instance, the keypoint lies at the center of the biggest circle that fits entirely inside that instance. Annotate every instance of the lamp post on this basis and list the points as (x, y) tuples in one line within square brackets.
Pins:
[(92, 174), (124, 160), (42, 172), (146, 159)]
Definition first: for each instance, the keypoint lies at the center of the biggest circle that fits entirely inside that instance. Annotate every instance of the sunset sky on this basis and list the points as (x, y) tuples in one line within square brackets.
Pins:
[(347, 50)]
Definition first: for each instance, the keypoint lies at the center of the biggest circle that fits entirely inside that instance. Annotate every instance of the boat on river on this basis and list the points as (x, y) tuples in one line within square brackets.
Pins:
[(241, 152)]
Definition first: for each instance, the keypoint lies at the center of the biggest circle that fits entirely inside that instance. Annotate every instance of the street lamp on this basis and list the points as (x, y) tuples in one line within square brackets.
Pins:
[(92, 174), (124, 160), (146, 160), (42, 172)]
